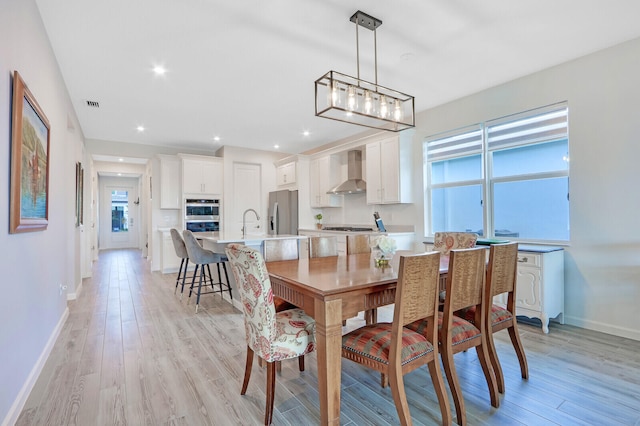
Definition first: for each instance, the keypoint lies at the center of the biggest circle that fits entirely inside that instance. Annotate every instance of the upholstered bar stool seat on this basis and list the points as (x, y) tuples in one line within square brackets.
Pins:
[(203, 258), (181, 252)]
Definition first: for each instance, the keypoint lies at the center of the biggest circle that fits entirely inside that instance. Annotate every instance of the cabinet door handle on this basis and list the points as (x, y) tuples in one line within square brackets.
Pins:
[(523, 259)]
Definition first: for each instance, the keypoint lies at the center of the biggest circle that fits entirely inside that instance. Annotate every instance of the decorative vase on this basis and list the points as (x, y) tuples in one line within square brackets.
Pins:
[(382, 259), (319, 225)]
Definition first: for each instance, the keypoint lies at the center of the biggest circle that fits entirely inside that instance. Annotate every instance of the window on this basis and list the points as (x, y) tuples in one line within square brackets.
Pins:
[(503, 178), (119, 211)]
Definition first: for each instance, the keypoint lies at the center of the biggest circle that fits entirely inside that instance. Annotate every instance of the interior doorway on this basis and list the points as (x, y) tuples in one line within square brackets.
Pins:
[(119, 214)]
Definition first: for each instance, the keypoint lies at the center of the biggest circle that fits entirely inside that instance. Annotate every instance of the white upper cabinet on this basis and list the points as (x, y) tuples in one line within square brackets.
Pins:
[(202, 175), (388, 172), (170, 190), (324, 174), (286, 174)]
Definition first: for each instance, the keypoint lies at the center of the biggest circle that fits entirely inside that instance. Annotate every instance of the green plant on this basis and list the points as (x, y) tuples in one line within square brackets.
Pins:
[(318, 217)]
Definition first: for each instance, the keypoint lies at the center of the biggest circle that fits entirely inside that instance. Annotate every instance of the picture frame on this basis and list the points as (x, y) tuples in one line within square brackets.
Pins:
[(79, 194), (30, 142)]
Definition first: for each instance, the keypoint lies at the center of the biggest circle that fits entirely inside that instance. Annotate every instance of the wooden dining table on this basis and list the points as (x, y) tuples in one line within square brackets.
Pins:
[(333, 289)]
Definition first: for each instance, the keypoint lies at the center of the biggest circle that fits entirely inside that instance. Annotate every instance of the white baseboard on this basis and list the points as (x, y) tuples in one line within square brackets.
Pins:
[(603, 328), (74, 295), (21, 399)]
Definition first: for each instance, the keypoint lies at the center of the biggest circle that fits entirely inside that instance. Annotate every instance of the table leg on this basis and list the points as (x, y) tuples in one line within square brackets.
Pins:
[(328, 316)]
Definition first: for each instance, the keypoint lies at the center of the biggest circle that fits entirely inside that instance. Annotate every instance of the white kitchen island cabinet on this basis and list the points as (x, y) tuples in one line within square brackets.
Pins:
[(324, 174), (202, 175), (388, 171)]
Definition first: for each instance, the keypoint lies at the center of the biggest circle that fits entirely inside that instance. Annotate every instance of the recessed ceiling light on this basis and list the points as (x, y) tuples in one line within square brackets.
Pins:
[(120, 159), (276, 146), (306, 133), (159, 70), (216, 138), (119, 174), (140, 128)]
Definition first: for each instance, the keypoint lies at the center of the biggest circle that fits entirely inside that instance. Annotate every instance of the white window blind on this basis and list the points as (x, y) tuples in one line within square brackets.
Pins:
[(548, 124), (461, 143)]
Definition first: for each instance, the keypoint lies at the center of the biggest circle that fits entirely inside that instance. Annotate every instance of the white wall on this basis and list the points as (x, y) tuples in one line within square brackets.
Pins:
[(34, 264), (602, 263)]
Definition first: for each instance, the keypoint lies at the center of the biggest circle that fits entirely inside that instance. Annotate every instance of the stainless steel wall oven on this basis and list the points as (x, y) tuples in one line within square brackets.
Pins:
[(202, 215)]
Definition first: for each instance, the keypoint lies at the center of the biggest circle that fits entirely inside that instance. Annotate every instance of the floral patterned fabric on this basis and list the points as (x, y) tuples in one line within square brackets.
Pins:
[(373, 341), (272, 336), (461, 330), (444, 242)]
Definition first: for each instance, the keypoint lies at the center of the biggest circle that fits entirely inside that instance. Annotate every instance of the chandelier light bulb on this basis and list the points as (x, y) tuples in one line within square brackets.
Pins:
[(384, 108), (368, 102), (334, 94), (397, 110), (352, 98)]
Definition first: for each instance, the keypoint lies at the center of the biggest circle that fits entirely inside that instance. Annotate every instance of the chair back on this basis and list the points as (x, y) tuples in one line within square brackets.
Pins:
[(197, 254), (284, 249), (254, 286), (323, 246), (178, 244), (502, 268), (444, 242), (358, 243), (465, 279), (417, 288)]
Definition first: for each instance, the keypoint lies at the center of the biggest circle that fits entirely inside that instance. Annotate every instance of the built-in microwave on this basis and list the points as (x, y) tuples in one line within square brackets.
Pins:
[(202, 215), (202, 209)]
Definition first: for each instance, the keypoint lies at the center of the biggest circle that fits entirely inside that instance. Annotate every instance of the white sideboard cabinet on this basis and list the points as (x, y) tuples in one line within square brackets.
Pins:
[(539, 283)]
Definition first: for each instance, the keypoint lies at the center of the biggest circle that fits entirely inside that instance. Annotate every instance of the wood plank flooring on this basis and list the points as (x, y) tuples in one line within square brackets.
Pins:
[(133, 353)]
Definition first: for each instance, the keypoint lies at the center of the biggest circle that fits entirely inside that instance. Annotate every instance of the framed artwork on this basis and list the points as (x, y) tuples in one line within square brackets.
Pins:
[(79, 194), (30, 131)]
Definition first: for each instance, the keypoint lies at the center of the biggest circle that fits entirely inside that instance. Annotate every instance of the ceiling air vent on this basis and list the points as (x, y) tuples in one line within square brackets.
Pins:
[(93, 104)]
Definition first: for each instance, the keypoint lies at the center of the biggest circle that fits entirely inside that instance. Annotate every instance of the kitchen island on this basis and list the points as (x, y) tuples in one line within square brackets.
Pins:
[(217, 241)]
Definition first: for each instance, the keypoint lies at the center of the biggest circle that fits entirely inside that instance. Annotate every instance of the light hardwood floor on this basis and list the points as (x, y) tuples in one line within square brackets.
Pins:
[(131, 352)]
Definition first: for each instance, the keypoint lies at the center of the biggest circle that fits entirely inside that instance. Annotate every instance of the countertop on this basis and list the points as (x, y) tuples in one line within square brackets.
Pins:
[(236, 237)]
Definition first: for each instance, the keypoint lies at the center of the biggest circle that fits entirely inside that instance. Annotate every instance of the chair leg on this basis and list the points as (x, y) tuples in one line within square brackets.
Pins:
[(441, 392), (247, 371), (226, 276), (184, 276), (193, 281), (219, 278), (485, 363), (517, 345), (179, 274), (384, 380), (454, 385), (399, 395), (279, 366), (301, 362), (271, 388), (202, 275), (495, 362)]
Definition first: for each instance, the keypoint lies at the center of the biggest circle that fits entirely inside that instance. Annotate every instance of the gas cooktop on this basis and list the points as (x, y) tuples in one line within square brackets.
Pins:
[(347, 228)]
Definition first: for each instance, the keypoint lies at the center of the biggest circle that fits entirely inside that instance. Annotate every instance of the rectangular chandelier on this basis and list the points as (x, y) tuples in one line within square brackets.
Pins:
[(353, 100)]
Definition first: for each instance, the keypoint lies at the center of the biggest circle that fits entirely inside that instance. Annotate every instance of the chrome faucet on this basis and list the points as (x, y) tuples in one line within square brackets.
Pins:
[(244, 220)]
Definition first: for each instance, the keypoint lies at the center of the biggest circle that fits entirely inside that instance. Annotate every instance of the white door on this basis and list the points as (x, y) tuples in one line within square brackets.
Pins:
[(247, 194), (119, 213)]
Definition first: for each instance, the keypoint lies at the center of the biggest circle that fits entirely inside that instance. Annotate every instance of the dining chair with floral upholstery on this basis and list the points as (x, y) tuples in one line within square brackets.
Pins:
[(465, 288), (272, 336), (394, 350), (444, 242)]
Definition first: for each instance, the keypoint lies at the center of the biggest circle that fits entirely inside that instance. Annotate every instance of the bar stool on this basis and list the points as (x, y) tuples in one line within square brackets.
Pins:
[(203, 258), (181, 252)]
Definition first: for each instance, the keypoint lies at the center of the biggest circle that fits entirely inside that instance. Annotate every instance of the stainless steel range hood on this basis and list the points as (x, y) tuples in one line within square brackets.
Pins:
[(354, 183)]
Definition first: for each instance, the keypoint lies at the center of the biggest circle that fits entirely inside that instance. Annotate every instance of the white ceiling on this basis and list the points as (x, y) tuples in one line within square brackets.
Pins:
[(245, 70)]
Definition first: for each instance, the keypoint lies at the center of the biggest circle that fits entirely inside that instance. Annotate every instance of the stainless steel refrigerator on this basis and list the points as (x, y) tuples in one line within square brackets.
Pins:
[(283, 212)]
